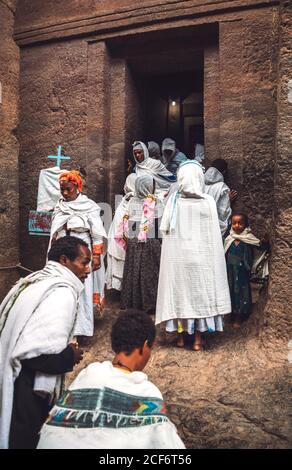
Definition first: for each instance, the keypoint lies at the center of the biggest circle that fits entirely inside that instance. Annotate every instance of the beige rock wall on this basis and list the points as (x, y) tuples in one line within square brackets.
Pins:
[(277, 320), (9, 80)]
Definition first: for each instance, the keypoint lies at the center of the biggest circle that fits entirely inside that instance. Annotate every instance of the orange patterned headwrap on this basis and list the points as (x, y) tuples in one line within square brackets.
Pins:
[(74, 177)]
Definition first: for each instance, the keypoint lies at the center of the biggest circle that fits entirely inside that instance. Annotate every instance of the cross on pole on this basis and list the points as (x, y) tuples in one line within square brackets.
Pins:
[(59, 157)]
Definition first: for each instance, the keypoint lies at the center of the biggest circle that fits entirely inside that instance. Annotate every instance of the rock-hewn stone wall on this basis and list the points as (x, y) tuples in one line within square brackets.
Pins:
[(211, 104), (259, 116), (53, 110), (41, 21), (9, 80)]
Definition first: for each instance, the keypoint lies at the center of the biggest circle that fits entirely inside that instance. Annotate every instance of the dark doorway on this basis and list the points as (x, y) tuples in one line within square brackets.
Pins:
[(174, 108)]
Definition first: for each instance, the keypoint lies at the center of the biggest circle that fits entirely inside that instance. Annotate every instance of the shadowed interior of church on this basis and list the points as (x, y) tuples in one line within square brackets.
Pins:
[(167, 72)]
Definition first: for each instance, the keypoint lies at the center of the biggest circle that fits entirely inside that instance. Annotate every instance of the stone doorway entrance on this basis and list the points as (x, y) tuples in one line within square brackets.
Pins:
[(171, 103), (157, 88)]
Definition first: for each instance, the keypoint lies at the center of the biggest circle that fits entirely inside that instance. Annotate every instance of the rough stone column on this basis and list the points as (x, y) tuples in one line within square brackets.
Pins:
[(9, 149), (211, 103), (98, 122), (259, 85), (134, 112), (117, 139), (125, 124), (278, 314), (230, 67), (53, 111)]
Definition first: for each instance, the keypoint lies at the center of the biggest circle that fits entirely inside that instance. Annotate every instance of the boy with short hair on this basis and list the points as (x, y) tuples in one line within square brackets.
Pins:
[(112, 404)]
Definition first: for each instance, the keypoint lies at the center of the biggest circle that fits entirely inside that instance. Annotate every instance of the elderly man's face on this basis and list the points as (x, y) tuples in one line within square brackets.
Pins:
[(80, 266), (139, 155)]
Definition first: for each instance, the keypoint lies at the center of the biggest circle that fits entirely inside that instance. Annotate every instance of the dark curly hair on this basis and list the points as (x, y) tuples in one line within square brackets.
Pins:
[(243, 215), (130, 331), (220, 164), (68, 246)]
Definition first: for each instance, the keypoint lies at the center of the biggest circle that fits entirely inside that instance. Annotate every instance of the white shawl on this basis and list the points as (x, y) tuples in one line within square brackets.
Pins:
[(156, 169), (26, 333), (82, 214), (162, 435), (192, 279), (216, 188), (247, 237), (190, 183), (114, 249)]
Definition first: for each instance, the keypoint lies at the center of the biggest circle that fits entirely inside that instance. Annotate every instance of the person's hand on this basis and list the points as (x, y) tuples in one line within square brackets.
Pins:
[(78, 352), (265, 238), (233, 195), (129, 166), (96, 264)]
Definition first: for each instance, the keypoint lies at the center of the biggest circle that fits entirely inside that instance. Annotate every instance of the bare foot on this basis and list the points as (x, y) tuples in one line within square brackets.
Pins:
[(197, 344), (180, 342)]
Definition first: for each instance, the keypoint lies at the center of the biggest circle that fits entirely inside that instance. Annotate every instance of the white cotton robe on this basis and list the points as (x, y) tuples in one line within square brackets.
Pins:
[(34, 321), (115, 253), (162, 435), (192, 279), (215, 187), (82, 217)]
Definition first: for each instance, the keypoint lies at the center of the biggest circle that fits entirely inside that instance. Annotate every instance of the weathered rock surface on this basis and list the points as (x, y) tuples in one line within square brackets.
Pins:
[(229, 395), (9, 82)]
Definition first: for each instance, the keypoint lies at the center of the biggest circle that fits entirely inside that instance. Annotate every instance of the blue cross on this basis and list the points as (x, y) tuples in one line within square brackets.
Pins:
[(59, 157)]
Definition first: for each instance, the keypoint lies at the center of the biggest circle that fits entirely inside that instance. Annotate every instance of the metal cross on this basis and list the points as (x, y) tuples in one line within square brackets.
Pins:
[(59, 157)]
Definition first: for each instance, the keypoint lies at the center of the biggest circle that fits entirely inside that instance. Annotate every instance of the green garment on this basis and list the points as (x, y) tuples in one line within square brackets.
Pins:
[(239, 262)]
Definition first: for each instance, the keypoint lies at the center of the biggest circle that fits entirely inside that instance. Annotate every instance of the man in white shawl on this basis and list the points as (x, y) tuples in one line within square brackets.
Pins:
[(218, 189), (171, 156), (115, 253), (151, 167), (36, 326), (193, 286), (75, 214), (113, 405)]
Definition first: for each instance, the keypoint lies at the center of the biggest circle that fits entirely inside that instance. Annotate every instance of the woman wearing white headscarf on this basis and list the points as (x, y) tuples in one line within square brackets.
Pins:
[(115, 253), (193, 292), (149, 166), (139, 235)]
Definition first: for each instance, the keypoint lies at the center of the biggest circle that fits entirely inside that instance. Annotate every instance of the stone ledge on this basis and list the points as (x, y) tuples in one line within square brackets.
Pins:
[(128, 18)]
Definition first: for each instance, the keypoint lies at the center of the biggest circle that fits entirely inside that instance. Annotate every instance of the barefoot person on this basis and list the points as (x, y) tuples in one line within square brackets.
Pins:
[(140, 237), (193, 292)]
